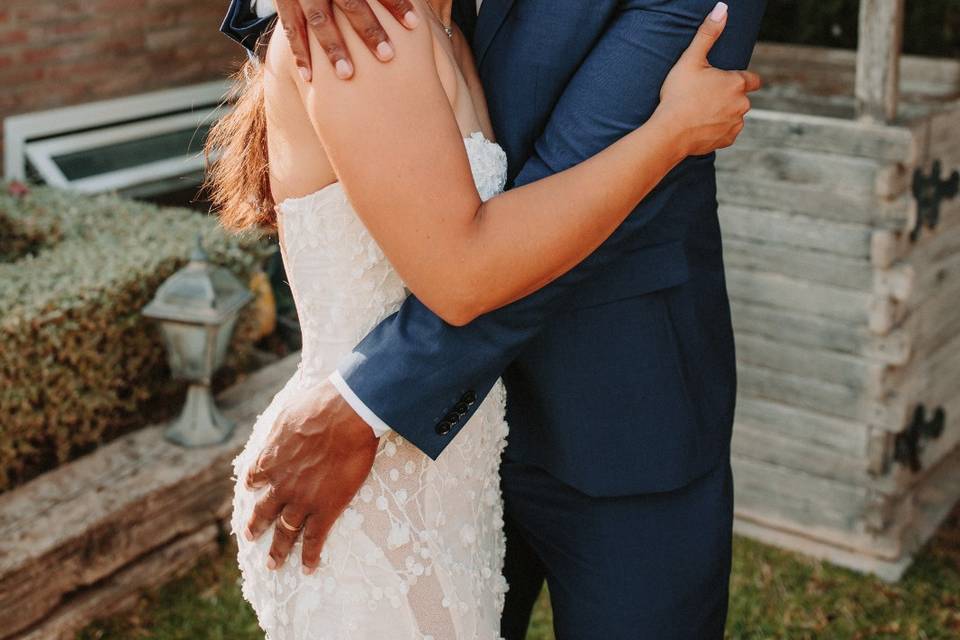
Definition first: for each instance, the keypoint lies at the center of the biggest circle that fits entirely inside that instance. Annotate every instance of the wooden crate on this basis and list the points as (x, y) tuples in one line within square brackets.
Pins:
[(841, 225)]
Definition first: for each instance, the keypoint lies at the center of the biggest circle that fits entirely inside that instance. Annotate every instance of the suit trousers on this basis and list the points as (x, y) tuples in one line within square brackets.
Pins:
[(641, 567)]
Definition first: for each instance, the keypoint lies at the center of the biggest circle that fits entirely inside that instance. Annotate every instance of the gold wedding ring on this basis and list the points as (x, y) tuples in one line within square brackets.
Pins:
[(286, 525)]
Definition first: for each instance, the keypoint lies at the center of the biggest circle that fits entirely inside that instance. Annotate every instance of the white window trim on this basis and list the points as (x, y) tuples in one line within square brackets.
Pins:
[(42, 154), (156, 112)]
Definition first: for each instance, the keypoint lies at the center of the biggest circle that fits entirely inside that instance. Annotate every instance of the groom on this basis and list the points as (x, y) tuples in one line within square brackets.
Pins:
[(620, 374)]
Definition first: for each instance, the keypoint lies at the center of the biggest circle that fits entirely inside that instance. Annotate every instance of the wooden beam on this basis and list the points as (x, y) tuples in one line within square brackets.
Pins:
[(69, 532), (878, 59)]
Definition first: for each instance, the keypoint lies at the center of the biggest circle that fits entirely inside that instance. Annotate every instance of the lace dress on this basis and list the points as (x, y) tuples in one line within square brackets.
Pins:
[(418, 553)]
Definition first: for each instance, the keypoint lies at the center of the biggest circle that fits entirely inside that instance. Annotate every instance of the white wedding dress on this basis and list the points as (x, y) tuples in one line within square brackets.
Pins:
[(418, 554)]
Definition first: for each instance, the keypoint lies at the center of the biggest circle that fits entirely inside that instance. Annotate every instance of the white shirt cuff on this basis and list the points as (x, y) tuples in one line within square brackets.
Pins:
[(378, 426)]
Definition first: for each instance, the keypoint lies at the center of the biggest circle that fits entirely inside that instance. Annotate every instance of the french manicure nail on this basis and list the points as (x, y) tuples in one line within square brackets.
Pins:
[(248, 534), (344, 69), (305, 74), (411, 20), (308, 571), (271, 564), (719, 12), (385, 51)]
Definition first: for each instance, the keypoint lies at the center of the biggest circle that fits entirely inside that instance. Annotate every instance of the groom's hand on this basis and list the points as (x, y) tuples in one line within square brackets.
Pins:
[(300, 17), (318, 456)]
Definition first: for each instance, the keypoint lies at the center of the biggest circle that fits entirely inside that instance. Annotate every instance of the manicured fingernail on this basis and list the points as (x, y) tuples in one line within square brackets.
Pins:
[(271, 564), (719, 12), (309, 571), (384, 51), (304, 73), (344, 69), (410, 20), (248, 534)]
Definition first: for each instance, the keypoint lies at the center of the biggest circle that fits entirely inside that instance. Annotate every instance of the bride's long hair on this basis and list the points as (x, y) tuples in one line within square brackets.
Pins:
[(238, 177)]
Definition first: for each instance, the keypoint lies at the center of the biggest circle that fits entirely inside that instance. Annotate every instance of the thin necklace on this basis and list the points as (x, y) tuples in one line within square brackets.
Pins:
[(448, 29)]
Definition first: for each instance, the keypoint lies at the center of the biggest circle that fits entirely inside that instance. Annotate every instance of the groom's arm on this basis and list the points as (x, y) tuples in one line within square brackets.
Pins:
[(423, 377)]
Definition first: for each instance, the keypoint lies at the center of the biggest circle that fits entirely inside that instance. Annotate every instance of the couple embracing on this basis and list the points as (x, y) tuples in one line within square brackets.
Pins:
[(499, 223)]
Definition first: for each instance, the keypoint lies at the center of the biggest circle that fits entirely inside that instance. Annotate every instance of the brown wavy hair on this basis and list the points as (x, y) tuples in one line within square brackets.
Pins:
[(238, 172)]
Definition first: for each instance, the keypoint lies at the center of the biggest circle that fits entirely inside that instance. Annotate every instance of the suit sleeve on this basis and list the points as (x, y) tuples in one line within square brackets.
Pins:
[(423, 377)]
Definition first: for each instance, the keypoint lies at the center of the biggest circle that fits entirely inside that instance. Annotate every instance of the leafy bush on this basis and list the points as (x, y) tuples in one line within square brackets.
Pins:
[(78, 363), (932, 27)]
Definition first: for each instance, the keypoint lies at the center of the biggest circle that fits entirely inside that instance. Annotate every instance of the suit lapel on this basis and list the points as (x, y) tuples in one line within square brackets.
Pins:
[(465, 15), (492, 15)]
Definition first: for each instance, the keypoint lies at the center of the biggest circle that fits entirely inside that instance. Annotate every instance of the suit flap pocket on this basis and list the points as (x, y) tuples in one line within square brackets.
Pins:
[(638, 272)]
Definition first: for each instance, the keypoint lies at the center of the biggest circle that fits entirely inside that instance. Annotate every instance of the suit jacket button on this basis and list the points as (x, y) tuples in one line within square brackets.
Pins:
[(452, 418), (470, 397), (443, 428), (461, 407)]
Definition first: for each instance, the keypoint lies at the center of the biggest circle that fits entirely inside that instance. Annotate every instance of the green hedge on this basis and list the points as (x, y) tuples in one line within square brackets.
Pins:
[(78, 363)]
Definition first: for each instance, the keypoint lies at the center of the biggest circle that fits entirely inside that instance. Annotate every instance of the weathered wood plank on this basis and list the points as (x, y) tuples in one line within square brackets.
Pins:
[(820, 396), (830, 135), (824, 509), (812, 331), (846, 437), (781, 292), (815, 201), (80, 523), (122, 590), (825, 71), (796, 231), (944, 136), (878, 59), (758, 528), (864, 376), (928, 506), (814, 266), (861, 176), (761, 443)]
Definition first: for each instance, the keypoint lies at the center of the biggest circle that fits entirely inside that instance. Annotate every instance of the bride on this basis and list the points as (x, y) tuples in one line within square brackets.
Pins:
[(373, 203)]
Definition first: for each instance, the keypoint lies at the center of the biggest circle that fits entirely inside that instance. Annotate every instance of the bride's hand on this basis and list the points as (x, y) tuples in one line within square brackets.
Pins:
[(705, 105)]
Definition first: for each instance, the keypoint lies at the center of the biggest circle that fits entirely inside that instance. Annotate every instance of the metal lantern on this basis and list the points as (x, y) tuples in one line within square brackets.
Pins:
[(197, 309)]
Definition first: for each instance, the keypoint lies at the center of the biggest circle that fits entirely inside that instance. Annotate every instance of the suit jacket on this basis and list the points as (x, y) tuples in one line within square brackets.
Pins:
[(620, 374)]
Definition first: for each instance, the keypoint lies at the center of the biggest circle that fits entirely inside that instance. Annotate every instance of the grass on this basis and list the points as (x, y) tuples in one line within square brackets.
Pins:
[(774, 594)]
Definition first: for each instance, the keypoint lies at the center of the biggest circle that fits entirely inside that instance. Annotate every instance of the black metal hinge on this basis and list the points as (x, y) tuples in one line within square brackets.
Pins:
[(909, 445), (930, 191)]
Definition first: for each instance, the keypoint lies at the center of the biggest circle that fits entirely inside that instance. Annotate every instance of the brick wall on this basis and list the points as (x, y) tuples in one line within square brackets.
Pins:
[(56, 53)]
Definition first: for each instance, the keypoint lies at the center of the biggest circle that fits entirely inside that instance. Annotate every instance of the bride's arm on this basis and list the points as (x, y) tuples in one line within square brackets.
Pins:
[(406, 172)]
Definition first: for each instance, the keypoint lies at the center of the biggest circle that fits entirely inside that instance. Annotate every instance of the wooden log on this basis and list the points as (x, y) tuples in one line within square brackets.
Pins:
[(944, 136), (878, 59), (889, 247), (796, 231), (814, 201), (761, 443), (861, 176), (828, 366), (934, 323), (82, 522), (847, 437), (122, 590), (820, 267), (928, 506), (813, 331), (933, 382), (819, 396), (825, 509), (937, 279), (781, 292), (766, 128)]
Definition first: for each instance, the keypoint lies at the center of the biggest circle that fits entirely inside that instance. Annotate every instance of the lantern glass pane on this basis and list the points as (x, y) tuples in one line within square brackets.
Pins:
[(189, 349), (223, 341)]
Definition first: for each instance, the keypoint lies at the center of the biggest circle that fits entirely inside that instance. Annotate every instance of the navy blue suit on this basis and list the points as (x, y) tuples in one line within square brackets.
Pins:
[(620, 374)]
